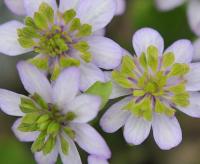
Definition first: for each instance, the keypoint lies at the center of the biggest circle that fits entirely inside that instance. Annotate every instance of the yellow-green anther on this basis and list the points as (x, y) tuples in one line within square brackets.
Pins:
[(27, 127), (61, 44), (143, 60), (148, 115), (159, 106), (69, 132), (152, 57), (69, 15), (138, 93), (150, 87), (39, 142), (64, 145), (130, 106), (179, 69), (160, 79), (30, 118), (26, 42), (168, 59), (75, 24), (179, 88), (85, 30), (53, 128), (181, 99), (82, 46), (170, 112), (40, 101), (29, 32), (44, 125), (142, 80), (121, 80), (27, 105), (68, 62), (70, 116), (86, 56), (56, 72), (127, 66), (41, 63), (47, 11), (43, 118), (40, 21), (49, 145), (30, 22)]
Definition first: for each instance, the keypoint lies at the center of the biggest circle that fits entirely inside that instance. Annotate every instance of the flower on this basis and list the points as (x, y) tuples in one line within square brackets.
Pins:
[(157, 86), (54, 116), (193, 14), (64, 36), (96, 160), (121, 6)]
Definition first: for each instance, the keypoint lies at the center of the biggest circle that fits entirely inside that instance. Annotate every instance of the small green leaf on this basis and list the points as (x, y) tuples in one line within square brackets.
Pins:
[(102, 90), (64, 145)]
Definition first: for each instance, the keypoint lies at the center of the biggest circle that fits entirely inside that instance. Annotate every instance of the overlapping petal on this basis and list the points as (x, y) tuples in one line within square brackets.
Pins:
[(16, 6), (96, 160), (165, 5)]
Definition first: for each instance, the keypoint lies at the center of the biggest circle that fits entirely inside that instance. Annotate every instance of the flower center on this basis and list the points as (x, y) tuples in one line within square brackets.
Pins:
[(158, 83), (55, 34), (48, 121)]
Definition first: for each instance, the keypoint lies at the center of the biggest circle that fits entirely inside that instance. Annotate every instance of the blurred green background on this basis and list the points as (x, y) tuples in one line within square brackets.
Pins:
[(140, 13)]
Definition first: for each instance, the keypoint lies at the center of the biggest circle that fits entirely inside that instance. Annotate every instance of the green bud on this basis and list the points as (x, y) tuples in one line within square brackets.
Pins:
[(29, 32), (69, 132), (168, 59), (70, 116), (44, 125), (69, 15), (26, 42), (47, 11), (86, 56), (41, 63), (49, 145), (82, 46), (40, 101), (56, 72), (143, 60), (27, 127), (179, 69), (53, 128), (181, 99), (159, 106), (75, 24), (85, 30), (39, 143), (152, 57), (68, 62), (27, 105), (30, 22), (127, 66), (130, 106), (170, 112), (64, 145), (150, 87), (30, 118), (40, 20), (43, 118), (180, 88), (138, 93)]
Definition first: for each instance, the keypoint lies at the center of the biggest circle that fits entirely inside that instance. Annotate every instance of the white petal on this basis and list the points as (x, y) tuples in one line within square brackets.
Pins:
[(89, 75), (9, 44), (166, 5), (16, 6), (66, 86), (166, 131), (193, 109), (117, 91), (34, 81), (194, 16), (85, 106), (196, 56), (32, 6), (193, 77), (183, 51), (9, 102), (96, 160), (146, 37), (68, 4), (136, 130), (115, 117), (97, 13), (106, 53), (90, 140), (24, 136), (50, 158), (100, 32), (73, 156), (121, 6)]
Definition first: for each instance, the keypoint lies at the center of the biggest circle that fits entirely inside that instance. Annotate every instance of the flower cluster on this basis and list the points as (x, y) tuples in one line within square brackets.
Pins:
[(76, 71)]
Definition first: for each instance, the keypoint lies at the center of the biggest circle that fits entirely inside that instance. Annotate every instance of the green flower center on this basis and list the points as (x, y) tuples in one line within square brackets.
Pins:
[(55, 34), (158, 83), (48, 120)]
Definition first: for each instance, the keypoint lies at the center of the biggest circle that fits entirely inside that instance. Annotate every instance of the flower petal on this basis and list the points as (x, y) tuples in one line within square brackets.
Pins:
[(50, 158), (96, 160), (136, 130), (194, 16), (183, 51), (90, 140), (165, 5), (117, 91), (9, 102), (68, 4), (146, 37), (166, 131), (66, 86), (16, 6), (97, 13), (85, 106), (196, 56), (34, 81), (115, 117), (121, 6), (89, 75), (31, 6), (100, 32), (23, 136), (106, 53), (193, 109), (193, 77), (9, 44), (73, 156)]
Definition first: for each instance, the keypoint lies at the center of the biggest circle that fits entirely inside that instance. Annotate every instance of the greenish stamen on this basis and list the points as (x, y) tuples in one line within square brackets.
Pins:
[(48, 120), (158, 83)]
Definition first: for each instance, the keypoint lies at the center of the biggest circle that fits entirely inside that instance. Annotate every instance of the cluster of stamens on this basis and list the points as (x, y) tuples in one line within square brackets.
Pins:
[(157, 83)]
